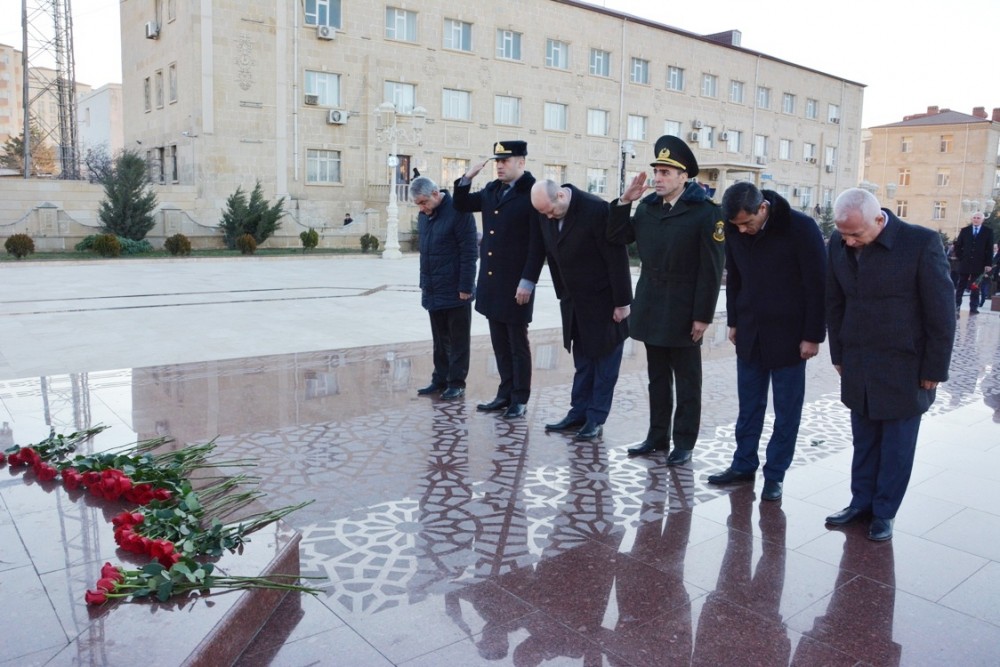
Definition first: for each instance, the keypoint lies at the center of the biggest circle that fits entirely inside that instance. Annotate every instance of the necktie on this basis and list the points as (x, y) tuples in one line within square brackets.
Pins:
[(975, 232), (666, 207)]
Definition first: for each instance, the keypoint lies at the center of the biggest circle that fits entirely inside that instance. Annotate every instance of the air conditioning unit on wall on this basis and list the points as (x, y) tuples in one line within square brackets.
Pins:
[(829, 168), (312, 100), (336, 117), (152, 30), (723, 136), (811, 160), (325, 32), (761, 159), (694, 136), (697, 124)]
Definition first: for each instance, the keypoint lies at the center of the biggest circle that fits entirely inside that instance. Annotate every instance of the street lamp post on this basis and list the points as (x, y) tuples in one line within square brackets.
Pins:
[(627, 149), (388, 130)]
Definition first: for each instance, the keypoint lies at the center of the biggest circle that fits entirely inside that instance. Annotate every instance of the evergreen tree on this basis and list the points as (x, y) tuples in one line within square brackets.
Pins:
[(254, 216), (42, 155), (127, 209)]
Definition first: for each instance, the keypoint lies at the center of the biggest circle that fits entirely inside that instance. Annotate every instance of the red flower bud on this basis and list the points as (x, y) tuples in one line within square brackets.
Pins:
[(109, 571), (96, 597), (91, 477), (44, 472), (107, 584), (3, 458), (162, 495)]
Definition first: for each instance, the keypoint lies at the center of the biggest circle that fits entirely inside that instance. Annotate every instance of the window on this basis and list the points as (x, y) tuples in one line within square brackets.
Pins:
[(171, 10), (597, 181), (640, 71), (323, 12), (160, 157), (457, 35), (326, 87), (906, 145), (788, 103), (508, 45), (833, 113), (904, 177), (763, 97), (783, 191), (706, 137), (675, 78), (760, 145), (734, 141), (709, 85), (805, 196), (147, 91), (555, 116), (400, 24), (506, 110), (902, 208), (940, 210), (785, 149), (453, 169), (322, 166), (736, 92), (812, 108), (555, 172), (600, 62), (172, 162), (556, 54), (598, 122), (946, 142), (636, 128), (456, 104), (172, 82), (402, 95), (672, 127), (827, 197), (159, 89), (943, 177), (830, 156), (809, 152)]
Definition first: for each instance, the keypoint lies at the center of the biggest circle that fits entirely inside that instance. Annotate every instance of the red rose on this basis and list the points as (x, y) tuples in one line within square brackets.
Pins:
[(44, 472), (162, 495), (107, 584), (96, 597), (71, 479), (160, 548), (3, 458), (91, 477), (29, 456), (109, 571), (168, 561)]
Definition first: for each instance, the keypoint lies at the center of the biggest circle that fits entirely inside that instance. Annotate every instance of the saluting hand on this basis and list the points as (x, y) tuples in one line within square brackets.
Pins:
[(635, 189), (476, 168)]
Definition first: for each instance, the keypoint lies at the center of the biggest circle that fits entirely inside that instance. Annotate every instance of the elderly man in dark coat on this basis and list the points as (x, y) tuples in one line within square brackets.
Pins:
[(889, 310), (447, 279), (974, 257), (775, 278), (593, 283), (502, 294), (679, 234)]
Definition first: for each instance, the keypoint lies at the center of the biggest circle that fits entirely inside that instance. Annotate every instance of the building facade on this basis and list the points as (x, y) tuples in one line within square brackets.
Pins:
[(221, 94), (99, 119), (935, 168)]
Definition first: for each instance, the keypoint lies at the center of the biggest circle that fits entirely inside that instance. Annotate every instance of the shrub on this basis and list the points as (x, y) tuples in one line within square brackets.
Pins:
[(250, 216), (246, 244), (130, 247), (178, 244), (127, 210), (309, 239), (126, 246), (19, 245), (368, 242), (107, 245)]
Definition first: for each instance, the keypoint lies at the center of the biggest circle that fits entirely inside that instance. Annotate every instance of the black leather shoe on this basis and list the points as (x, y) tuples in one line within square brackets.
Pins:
[(880, 530), (566, 424), (678, 457), (645, 447), (590, 431), (515, 411), (772, 490), (846, 515), (730, 476), (429, 389), (494, 405), (451, 393), (971, 312)]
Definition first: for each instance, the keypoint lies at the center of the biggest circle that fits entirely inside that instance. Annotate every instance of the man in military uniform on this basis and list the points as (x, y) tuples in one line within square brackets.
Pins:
[(503, 294), (679, 234)]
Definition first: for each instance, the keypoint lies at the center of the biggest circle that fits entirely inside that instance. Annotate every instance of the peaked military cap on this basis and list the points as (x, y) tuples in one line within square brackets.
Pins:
[(671, 151), (502, 149)]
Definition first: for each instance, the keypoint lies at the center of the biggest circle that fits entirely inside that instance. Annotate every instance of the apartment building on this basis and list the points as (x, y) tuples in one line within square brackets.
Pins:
[(223, 94), (935, 168)]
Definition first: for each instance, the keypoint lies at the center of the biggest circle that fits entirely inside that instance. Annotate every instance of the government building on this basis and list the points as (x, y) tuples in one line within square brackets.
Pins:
[(223, 94)]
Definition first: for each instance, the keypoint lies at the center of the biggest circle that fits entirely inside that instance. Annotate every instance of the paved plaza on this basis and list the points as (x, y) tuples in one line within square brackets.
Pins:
[(442, 536)]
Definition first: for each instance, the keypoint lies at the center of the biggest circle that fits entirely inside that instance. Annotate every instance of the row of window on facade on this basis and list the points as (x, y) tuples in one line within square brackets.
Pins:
[(154, 86), (457, 35)]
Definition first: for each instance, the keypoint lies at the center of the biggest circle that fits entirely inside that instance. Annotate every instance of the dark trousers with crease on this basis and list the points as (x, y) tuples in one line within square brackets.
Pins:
[(450, 330), (513, 355), (883, 459), (670, 367)]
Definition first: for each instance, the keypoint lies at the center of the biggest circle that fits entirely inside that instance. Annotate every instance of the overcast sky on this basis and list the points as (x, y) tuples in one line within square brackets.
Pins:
[(910, 55)]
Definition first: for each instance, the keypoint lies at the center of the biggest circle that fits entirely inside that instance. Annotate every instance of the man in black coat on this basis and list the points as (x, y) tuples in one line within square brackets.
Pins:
[(974, 252), (888, 309), (775, 279), (502, 293), (447, 278), (593, 283)]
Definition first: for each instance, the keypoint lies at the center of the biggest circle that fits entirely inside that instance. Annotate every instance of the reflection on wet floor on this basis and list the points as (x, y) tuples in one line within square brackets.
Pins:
[(453, 537)]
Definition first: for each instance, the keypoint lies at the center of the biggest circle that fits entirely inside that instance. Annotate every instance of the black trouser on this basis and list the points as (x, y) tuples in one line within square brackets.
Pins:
[(964, 283), (664, 365), (450, 329), (513, 354)]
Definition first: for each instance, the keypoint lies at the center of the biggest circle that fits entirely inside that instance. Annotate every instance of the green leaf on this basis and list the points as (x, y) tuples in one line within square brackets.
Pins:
[(153, 569), (164, 591)]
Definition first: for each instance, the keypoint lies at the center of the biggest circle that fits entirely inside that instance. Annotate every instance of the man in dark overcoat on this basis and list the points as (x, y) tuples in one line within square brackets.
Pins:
[(891, 325), (679, 234), (974, 254), (508, 232), (775, 280), (447, 279), (593, 283)]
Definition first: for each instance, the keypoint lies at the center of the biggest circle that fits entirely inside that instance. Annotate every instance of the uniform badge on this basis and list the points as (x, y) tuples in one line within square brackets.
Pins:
[(720, 232)]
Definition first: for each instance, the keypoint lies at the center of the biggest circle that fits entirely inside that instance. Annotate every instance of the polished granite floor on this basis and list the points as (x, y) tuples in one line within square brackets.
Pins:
[(451, 537)]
